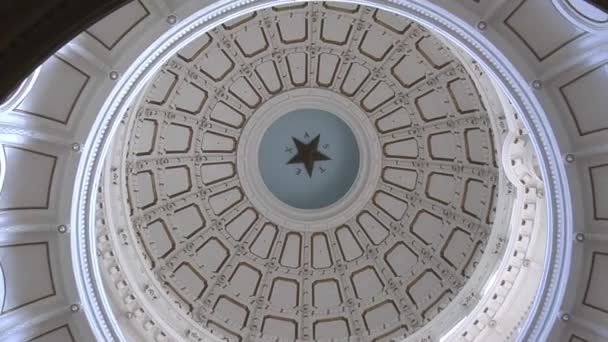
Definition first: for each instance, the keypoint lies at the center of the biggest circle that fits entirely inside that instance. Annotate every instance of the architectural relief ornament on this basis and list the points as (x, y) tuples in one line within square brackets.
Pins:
[(450, 183), (174, 230), (189, 221)]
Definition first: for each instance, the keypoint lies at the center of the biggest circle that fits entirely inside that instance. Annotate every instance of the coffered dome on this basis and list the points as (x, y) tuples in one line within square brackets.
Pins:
[(425, 171), (313, 171)]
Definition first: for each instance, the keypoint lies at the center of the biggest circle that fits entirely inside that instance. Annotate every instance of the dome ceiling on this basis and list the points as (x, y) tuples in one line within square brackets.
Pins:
[(107, 251), (214, 254)]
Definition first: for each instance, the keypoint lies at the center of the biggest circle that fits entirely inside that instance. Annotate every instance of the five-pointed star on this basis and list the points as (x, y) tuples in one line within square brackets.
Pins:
[(308, 154)]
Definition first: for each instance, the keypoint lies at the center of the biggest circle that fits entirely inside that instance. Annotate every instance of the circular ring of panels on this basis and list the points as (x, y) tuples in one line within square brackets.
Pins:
[(397, 247)]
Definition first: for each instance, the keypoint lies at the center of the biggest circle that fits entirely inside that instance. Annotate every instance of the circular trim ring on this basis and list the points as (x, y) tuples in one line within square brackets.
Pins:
[(577, 18), (319, 219), (2, 167), (2, 287), (550, 294)]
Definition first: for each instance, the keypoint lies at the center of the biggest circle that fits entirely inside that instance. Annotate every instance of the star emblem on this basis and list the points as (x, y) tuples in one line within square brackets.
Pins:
[(308, 154)]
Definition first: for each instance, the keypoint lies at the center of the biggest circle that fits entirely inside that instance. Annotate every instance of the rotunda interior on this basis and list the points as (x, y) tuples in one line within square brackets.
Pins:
[(311, 171)]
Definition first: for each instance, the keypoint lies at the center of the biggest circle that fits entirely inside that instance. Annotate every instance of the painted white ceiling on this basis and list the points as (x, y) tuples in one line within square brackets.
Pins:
[(388, 268), (550, 59)]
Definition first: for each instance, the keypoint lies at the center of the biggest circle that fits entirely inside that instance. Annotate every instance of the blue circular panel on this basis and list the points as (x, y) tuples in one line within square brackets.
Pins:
[(309, 158)]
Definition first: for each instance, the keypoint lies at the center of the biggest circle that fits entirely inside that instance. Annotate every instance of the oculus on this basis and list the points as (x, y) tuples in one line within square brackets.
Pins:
[(309, 158)]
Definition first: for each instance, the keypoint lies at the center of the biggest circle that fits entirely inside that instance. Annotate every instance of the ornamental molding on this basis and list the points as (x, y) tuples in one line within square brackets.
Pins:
[(546, 304)]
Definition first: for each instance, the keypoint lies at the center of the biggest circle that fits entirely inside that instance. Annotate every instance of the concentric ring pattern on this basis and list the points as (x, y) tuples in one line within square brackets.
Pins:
[(222, 265)]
